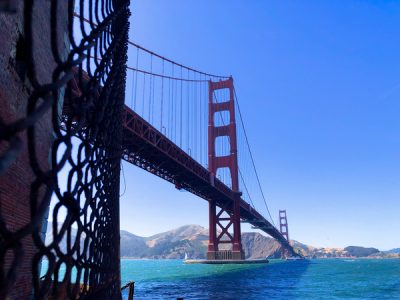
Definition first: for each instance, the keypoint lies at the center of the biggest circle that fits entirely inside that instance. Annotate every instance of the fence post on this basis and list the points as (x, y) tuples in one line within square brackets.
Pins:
[(131, 290)]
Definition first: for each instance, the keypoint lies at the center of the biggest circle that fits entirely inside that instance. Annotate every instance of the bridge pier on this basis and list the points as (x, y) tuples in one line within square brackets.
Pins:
[(223, 236), (225, 255)]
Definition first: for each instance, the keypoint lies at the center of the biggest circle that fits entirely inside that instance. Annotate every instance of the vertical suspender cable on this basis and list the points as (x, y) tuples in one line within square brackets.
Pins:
[(181, 108), (175, 87), (172, 107), (169, 108), (144, 87), (195, 117), (187, 113), (133, 88), (162, 96), (201, 122), (150, 87), (153, 100), (136, 88)]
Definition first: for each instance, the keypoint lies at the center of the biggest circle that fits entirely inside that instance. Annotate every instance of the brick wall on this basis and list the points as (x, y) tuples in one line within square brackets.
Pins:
[(14, 91)]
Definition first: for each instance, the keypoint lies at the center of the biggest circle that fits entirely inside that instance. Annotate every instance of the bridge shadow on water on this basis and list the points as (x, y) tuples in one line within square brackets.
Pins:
[(276, 280)]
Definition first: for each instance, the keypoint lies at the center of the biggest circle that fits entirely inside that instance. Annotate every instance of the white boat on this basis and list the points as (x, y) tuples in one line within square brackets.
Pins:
[(186, 256)]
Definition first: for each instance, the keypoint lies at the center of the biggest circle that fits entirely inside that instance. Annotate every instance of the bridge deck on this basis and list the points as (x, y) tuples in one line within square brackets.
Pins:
[(147, 148)]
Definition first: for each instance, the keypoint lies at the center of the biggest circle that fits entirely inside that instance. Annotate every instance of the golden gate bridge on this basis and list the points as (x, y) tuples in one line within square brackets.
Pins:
[(180, 124)]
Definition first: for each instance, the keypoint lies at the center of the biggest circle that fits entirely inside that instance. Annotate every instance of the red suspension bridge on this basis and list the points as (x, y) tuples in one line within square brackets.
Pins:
[(180, 124)]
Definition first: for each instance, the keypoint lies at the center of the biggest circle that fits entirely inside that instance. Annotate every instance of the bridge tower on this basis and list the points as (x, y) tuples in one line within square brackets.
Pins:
[(220, 222), (283, 224)]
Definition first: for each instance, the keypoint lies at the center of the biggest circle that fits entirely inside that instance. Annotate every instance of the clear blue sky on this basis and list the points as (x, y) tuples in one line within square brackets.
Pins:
[(319, 85)]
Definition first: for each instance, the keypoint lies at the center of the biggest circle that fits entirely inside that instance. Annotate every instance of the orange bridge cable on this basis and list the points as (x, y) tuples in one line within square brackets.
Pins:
[(175, 63), (251, 157), (136, 78), (158, 75), (165, 76), (245, 186), (155, 54), (162, 98), (180, 110), (149, 99)]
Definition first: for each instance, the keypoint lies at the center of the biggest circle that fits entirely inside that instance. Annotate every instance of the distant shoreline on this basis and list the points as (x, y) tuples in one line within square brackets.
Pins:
[(273, 259)]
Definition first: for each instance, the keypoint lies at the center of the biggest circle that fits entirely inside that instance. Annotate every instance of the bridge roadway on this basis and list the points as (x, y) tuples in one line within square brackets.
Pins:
[(147, 148)]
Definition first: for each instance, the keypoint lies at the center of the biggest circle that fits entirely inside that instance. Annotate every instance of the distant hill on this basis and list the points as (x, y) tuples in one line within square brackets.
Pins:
[(173, 244), (321, 252), (256, 245), (393, 251), (193, 240), (360, 251), (132, 245)]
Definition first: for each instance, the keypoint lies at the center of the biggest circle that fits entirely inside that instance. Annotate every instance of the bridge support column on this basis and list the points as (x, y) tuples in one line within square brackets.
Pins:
[(237, 238), (222, 221), (212, 242)]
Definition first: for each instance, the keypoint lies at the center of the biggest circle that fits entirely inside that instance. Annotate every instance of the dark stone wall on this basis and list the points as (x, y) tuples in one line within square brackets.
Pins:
[(15, 89)]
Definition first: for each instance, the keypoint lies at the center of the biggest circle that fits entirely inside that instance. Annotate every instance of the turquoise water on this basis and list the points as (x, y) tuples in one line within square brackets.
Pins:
[(313, 279)]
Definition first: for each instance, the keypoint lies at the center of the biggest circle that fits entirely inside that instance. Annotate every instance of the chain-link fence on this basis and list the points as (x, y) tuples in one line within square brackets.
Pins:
[(64, 135)]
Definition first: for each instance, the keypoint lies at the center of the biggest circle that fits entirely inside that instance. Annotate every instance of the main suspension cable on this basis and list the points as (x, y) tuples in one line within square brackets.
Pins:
[(251, 157), (155, 54)]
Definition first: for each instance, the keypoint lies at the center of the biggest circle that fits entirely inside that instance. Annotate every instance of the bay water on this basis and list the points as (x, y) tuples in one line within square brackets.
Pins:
[(280, 279)]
